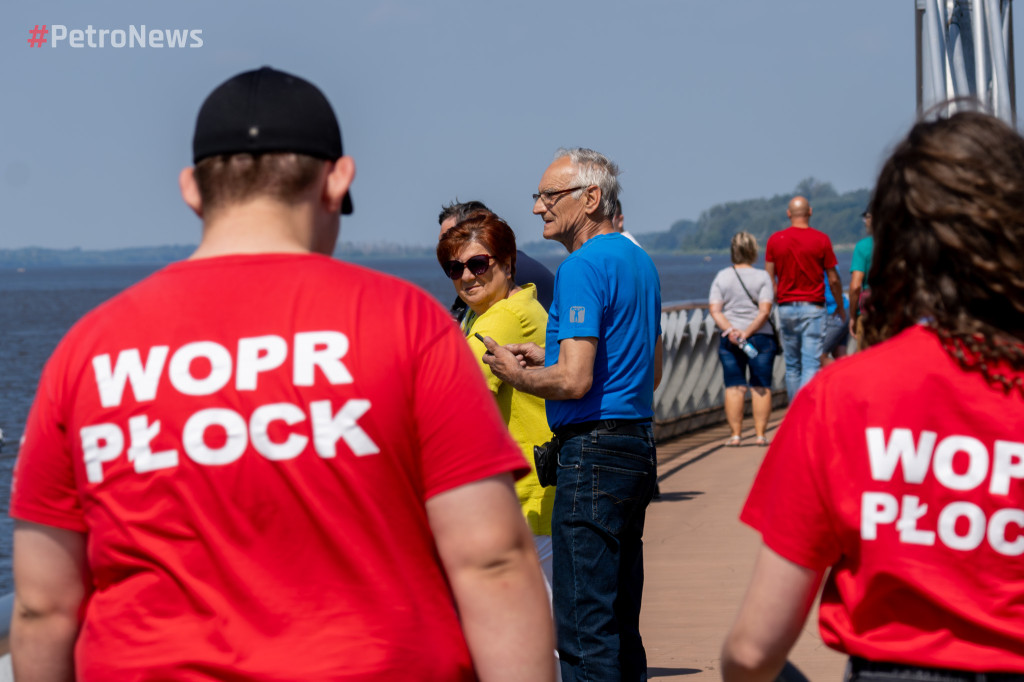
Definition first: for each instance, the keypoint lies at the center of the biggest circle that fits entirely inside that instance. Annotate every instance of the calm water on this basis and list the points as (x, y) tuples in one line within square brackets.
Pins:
[(38, 306)]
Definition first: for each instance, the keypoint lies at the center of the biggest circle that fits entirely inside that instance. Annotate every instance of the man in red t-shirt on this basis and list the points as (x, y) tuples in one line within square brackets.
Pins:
[(795, 258), (262, 463)]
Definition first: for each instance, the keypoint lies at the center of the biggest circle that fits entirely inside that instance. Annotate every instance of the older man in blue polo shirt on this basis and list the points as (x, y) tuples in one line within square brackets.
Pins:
[(598, 374)]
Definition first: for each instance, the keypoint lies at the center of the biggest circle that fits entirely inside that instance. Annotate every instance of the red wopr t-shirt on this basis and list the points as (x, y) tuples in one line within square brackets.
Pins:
[(801, 255), (904, 474), (249, 443)]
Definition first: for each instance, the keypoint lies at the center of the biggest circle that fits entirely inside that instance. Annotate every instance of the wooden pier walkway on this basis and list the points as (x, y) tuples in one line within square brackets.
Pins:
[(698, 558)]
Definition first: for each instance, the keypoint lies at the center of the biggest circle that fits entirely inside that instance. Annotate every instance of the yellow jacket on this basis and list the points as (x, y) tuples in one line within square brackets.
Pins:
[(518, 319)]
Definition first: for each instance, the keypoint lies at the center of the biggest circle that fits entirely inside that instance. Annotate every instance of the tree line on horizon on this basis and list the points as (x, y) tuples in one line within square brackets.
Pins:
[(837, 215), (35, 256)]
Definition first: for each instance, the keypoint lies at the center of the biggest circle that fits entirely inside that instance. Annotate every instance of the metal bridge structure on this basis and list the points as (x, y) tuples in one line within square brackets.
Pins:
[(965, 52)]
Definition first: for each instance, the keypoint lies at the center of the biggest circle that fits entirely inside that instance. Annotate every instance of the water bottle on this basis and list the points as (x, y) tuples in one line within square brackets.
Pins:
[(747, 348)]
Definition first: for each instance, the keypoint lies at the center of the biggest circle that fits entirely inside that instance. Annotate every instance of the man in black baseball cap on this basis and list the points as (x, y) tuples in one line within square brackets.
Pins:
[(264, 463), (265, 111)]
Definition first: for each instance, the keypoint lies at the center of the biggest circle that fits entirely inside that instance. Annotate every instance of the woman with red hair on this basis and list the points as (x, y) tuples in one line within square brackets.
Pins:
[(479, 255)]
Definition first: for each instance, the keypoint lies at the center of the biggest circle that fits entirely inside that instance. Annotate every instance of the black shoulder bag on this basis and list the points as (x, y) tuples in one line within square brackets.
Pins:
[(775, 332)]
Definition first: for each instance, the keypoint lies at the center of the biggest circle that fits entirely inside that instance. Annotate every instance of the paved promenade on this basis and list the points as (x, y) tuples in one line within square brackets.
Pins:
[(698, 558)]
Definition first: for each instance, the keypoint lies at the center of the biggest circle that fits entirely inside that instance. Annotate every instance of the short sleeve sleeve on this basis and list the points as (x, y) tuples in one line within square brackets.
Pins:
[(43, 489), (766, 294), (460, 432), (500, 324), (579, 300), (716, 295), (787, 503), (830, 254), (859, 261)]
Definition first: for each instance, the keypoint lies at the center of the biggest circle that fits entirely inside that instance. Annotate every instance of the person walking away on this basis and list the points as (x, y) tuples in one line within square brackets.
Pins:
[(795, 259), (261, 463), (740, 303), (910, 500), (860, 288), (597, 374), (837, 331)]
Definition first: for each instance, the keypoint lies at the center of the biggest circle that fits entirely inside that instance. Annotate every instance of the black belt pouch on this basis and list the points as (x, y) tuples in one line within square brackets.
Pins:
[(546, 458)]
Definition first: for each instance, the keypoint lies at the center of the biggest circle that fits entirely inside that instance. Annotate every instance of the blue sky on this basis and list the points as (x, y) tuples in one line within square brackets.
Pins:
[(698, 102)]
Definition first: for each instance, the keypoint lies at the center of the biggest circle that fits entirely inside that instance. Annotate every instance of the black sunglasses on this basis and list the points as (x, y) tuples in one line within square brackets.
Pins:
[(477, 265)]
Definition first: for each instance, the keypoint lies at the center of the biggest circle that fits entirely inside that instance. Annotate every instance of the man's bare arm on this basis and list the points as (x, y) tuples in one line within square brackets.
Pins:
[(769, 267), (528, 354), (568, 379), (856, 286), (488, 554), (51, 580)]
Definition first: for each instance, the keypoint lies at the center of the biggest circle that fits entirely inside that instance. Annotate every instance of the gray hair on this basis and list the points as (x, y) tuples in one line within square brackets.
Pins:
[(594, 168)]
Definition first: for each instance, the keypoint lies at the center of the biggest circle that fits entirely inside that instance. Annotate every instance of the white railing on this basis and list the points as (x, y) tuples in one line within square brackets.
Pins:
[(692, 390)]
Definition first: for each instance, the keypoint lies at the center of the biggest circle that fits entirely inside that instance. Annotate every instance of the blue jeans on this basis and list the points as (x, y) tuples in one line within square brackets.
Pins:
[(803, 336), (605, 482), (837, 332)]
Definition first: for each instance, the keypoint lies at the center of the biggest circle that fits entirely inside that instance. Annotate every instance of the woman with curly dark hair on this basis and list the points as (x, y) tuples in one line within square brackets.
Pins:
[(901, 469)]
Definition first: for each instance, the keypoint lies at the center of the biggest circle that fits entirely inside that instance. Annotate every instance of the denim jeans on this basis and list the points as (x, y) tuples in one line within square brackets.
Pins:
[(837, 332), (803, 333), (735, 362), (605, 482)]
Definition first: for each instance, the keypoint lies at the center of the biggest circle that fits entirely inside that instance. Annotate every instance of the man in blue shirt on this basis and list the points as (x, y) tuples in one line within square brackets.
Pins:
[(837, 335), (598, 374)]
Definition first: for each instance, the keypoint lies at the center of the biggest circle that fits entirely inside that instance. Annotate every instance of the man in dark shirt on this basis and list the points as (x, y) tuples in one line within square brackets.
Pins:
[(597, 374)]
